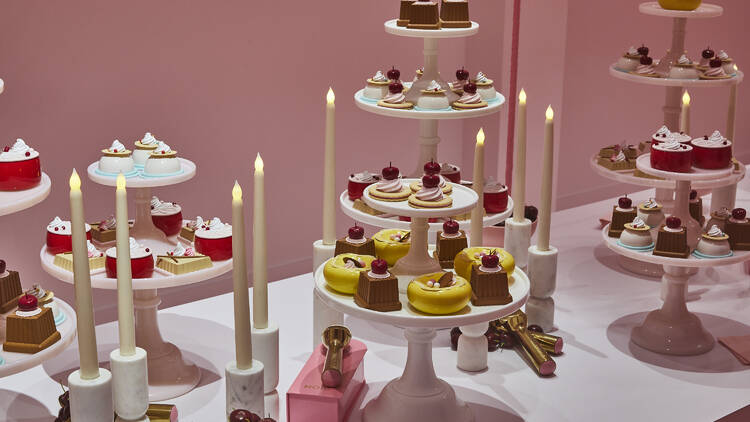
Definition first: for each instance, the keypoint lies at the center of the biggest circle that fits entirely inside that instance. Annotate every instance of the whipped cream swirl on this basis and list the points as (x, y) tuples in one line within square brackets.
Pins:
[(714, 141), (433, 86), (683, 60), (670, 145), (364, 177), (136, 250), (430, 194), (715, 231), (467, 98), (663, 132), (148, 139), (493, 186), (195, 224), (214, 229), (110, 223), (715, 71), (92, 251), (390, 185), (650, 204), (644, 69), (18, 152), (182, 251), (59, 226), (161, 148), (379, 77), (680, 136), (448, 168), (117, 146), (164, 208), (638, 223), (632, 51), (618, 158), (482, 78), (723, 55), (396, 98)]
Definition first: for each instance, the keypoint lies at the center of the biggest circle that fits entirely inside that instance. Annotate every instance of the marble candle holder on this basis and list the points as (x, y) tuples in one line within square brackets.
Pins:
[(130, 385), (542, 272), (244, 388), (518, 240), (323, 316), (266, 350), (91, 400)]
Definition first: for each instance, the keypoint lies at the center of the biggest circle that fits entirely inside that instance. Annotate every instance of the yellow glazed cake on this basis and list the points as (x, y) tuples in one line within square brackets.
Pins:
[(342, 271), (392, 244), (439, 293), (473, 257)]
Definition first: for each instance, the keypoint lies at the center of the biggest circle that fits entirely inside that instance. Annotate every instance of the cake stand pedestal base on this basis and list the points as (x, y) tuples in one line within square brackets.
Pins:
[(418, 395), (418, 260), (673, 330), (169, 376)]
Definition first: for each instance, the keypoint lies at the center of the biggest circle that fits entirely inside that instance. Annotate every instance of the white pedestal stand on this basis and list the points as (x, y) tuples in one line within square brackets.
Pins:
[(323, 316), (542, 271), (266, 350), (244, 388), (130, 385), (91, 400), (518, 240), (472, 348)]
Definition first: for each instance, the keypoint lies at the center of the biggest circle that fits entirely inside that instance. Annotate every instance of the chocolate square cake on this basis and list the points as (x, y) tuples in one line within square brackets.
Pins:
[(448, 246), (424, 15), (30, 334), (344, 245), (454, 14), (622, 213), (671, 241), (489, 287), (404, 12), (10, 288), (378, 292)]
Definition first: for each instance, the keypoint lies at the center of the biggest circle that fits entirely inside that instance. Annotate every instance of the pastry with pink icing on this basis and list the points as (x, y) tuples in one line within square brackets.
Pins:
[(182, 260), (433, 168), (431, 195), (683, 68), (715, 70), (646, 68), (396, 98), (377, 86), (433, 97), (462, 78), (390, 188), (470, 99)]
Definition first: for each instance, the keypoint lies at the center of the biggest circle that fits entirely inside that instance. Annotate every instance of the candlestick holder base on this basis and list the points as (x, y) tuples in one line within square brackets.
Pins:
[(472, 348), (541, 312), (130, 384), (245, 388), (542, 271), (91, 400), (266, 350), (518, 240)]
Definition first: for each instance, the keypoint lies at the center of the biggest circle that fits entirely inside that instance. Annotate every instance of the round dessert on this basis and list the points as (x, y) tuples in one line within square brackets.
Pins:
[(392, 244), (20, 167), (432, 168), (430, 195), (715, 70), (713, 244), (167, 216), (495, 196), (396, 98), (389, 188), (162, 161), (718, 218), (59, 239), (377, 87), (661, 135), (712, 152), (473, 257), (470, 99), (684, 68), (433, 98), (629, 61), (637, 235), (141, 261), (485, 87), (358, 182), (646, 68), (116, 159), (451, 172), (214, 239), (726, 63), (672, 156), (706, 56), (462, 78), (439, 293), (342, 271), (651, 212), (680, 4), (144, 148)]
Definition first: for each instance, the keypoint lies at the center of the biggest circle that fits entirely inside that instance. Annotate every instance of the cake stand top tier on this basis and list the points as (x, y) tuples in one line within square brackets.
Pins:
[(643, 163), (705, 10), (464, 199), (402, 31), (411, 318), (15, 201), (686, 83), (141, 181), (373, 107)]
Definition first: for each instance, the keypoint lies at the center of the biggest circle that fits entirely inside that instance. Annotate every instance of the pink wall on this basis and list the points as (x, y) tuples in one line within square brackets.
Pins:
[(218, 81)]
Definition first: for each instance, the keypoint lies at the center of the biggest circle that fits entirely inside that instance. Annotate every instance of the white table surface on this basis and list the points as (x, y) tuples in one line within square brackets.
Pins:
[(601, 377)]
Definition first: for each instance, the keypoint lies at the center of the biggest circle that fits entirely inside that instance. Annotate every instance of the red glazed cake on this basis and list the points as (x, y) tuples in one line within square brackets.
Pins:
[(59, 239), (358, 182), (451, 172), (495, 196), (167, 216), (672, 156), (712, 152), (141, 261), (214, 239), (20, 168)]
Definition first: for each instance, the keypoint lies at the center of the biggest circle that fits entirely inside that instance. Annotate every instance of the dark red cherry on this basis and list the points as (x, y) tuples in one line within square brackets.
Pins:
[(643, 50), (739, 213), (707, 53), (715, 62), (379, 266), (674, 222), (393, 74), (471, 88), (646, 60), (624, 202), (395, 87)]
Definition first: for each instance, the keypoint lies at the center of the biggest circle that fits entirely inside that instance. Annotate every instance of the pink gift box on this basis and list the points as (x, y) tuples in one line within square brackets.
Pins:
[(307, 400)]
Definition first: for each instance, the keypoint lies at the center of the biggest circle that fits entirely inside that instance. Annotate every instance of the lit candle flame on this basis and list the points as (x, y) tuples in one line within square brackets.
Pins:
[(736, 68), (120, 181), (75, 181), (236, 191), (258, 164), (330, 97), (549, 113), (480, 136), (522, 97), (686, 98)]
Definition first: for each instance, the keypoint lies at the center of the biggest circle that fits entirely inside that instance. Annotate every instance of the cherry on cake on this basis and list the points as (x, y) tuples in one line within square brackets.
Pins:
[(451, 172), (162, 161), (450, 242), (376, 87), (358, 182), (737, 228), (20, 168), (671, 241), (141, 261), (433, 97), (646, 68), (30, 329), (59, 238), (96, 258), (166, 216), (116, 159), (714, 71), (431, 168), (144, 148), (214, 239), (470, 98), (430, 195), (355, 242), (462, 78), (485, 86), (396, 98), (495, 196), (706, 56), (378, 288), (389, 188), (672, 156), (712, 152), (10, 288), (713, 244), (489, 282), (622, 213)]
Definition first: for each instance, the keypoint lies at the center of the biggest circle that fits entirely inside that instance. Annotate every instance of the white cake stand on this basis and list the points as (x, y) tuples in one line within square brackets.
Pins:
[(418, 260), (11, 202), (17, 362), (419, 395)]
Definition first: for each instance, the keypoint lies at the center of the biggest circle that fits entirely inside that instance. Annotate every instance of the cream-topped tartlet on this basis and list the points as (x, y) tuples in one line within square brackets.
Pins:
[(162, 161), (214, 239), (715, 70), (144, 148), (395, 98), (726, 63), (652, 213), (684, 68), (646, 68), (629, 61), (485, 87), (713, 244), (377, 86), (470, 98), (637, 235), (141, 261), (20, 167), (116, 159), (433, 98)]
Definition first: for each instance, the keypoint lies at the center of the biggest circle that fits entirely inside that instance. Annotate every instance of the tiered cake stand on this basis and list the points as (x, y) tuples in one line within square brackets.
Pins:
[(673, 329), (11, 202), (169, 375), (428, 125)]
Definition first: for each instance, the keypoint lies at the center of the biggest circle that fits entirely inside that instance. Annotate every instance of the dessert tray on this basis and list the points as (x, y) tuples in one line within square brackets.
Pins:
[(675, 82), (15, 201), (705, 10), (138, 179)]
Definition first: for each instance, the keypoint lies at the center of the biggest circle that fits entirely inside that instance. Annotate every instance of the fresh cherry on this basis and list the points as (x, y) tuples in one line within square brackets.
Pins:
[(27, 302), (28, 154), (707, 53), (693, 194), (242, 415), (643, 50), (491, 260), (395, 87), (379, 266), (739, 213), (530, 212), (6, 149), (450, 227), (390, 172), (431, 180), (432, 167), (535, 328), (470, 88), (624, 202), (356, 232), (2, 266), (455, 334), (393, 74), (462, 74), (506, 340), (715, 62), (674, 222), (646, 60)]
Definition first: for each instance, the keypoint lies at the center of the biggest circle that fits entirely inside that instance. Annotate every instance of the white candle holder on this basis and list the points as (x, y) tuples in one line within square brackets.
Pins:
[(518, 240), (130, 385), (323, 316), (472, 347), (266, 350), (91, 400), (542, 271), (244, 388)]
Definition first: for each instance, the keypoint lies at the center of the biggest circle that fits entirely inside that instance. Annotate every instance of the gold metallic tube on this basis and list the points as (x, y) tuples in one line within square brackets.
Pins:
[(162, 412), (542, 362)]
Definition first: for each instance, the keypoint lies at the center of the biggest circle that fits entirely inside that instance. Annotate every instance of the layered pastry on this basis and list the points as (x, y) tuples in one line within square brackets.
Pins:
[(661, 135), (713, 244), (358, 182), (637, 236), (462, 78), (495, 196), (30, 329), (737, 228), (396, 98), (355, 242), (404, 13), (683, 68), (651, 212), (10, 288), (392, 244), (116, 159), (431, 168), (719, 218), (144, 148), (617, 162), (489, 282), (472, 257), (377, 87), (695, 206), (450, 242), (622, 213), (726, 63), (389, 188), (630, 151), (712, 152), (423, 14), (454, 14), (714, 71), (672, 156), (671, 241), (430, 195), (20, 167), (646, 68), (433, 98), (214, 239), (377, 289), (96, 258), (439, 293), (141, 261), (163, 161), (167, 216), (630, 59), (451, 172), (360, 205), (104, 231), (342, 271), (182, 260), (485, 87), (187, 231), (470, 99), (59, 238)]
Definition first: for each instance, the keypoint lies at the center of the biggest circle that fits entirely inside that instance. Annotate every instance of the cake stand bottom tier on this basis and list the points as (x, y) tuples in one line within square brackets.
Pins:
[(681, 336), (394, 404)]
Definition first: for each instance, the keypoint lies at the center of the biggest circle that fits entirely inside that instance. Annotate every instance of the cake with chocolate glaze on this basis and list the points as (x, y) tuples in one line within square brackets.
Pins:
[(622, 213), (737, 228), (450, 242), (355, 242), (423, 15), (404, 12), (454, 14), (10, 288), (31, 328), (378, 289), (671, 242), (489, 282)]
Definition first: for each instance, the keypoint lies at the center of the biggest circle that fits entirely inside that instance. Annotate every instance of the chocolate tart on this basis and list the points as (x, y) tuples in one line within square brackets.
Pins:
[(378, 294), (423, 15), (404, 13), (739, 234), (344, 246), (454, 14), (102, 235), (489, 288)]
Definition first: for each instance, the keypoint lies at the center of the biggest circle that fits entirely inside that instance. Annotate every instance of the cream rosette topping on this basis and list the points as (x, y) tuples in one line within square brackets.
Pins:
[(482, 79), (723, 55), (650, 204), (92, 251), (394, 98), (683, 60), (493, 186), (715, 71), (164, 208), (364, 177), (672, 145), (162, 148), (116, 147), (662, 133), (619, 157), (136, 250), (379, 77), (108, 224), (394, 185), (448, 168), (18, 152), (37, 291), (467, 98), (715, 232), (638, 223), (433, 86), (680, 137), (149, 140), (214, 229), (430, 194), (59, 226), (195, 224), (181, 251), (632, 51), (645, 69), (716, 140)]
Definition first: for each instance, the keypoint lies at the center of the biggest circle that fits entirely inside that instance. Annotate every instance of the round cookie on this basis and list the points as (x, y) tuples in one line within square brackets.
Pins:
[(416, 186), (399, 196), (446, 202)]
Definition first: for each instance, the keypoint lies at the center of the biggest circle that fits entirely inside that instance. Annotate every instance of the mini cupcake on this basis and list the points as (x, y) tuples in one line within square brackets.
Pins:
[(451, 172), (20, 167), (715, 70), (144, 148), (629, 61), (646, 68), (167, 216), (485, 87), (358, 182), (396, 98), (470, 99), (59, 239), (713, 244), (683, 69), (214, 239), (712, 152), (433, 98), (162, 161), (726, 62), (672, 156), (141, 261), (377, 87), (462, 78), (637, 235), (116, 159), (495, 196), (651, 212)]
